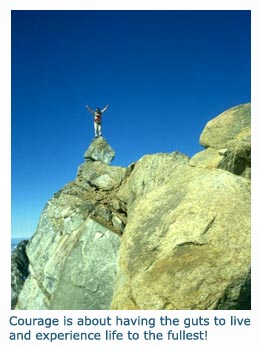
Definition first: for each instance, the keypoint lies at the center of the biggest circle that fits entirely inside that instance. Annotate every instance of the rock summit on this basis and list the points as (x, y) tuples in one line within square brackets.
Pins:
[(99, 149), (168, 232)]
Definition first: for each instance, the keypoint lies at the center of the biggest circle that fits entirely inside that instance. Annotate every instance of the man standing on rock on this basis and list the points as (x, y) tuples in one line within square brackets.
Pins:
[(97, 119)]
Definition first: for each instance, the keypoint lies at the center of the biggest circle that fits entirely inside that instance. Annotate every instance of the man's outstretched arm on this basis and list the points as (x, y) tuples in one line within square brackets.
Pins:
[(104, 109), (89, 109)]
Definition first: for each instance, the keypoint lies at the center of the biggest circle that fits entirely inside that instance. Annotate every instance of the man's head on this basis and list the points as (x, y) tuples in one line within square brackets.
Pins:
[(98, 110)]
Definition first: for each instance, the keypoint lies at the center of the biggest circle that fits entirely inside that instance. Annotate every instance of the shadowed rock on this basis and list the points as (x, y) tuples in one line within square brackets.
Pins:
[(19, 272)]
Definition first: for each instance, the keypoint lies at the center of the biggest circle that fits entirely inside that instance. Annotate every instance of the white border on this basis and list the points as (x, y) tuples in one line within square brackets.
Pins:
[(239, 340), (130, 5)]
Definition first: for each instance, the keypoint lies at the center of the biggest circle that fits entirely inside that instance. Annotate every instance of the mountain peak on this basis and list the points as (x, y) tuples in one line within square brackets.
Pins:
[(100, 150), (156, 235)]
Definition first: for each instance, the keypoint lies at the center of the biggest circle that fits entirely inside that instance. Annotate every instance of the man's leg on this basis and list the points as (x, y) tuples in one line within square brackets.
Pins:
[(96, 129), (99, 130)]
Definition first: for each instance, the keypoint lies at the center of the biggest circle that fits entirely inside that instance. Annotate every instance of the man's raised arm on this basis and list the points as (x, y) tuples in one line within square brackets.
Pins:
[(104, 109), (89, 109)]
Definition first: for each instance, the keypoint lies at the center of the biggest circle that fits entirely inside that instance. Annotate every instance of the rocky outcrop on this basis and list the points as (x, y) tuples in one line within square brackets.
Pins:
[(227, 139), (180, 249), (19, 270), (81, 222), (100, 150), (168, 232)]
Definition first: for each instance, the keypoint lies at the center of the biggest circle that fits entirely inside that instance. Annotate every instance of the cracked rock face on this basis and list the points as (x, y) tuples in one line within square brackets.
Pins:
[(168, 232), (87, 277)]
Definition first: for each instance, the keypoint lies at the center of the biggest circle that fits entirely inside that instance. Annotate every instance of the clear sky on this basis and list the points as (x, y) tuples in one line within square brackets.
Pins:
[(164, 74)]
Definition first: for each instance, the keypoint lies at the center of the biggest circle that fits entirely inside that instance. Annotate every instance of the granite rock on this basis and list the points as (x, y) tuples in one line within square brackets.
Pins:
[(167, 232)]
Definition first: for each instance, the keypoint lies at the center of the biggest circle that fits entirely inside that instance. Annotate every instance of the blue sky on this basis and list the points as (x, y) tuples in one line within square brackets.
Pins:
[(163, 73)]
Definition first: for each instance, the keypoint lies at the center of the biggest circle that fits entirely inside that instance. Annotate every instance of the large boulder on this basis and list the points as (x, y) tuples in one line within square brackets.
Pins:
[(186, 244), (149, 173), (227, 139), (100, 176), (230, 129)]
